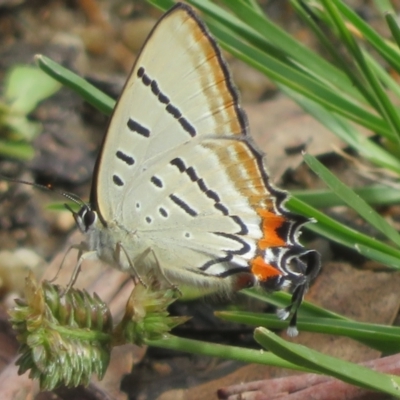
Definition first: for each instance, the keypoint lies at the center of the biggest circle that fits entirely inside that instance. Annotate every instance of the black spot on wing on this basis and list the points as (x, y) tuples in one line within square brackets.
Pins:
[(202, 185), (154, 88), (134, 126), (192, 174), (212, 195), (125, 158), (117, 180), (183, 205), (222, 208), (163, 99), (178, 162), (156, 181), (163, 212), (190, 129), (173, 111), (146, 80)]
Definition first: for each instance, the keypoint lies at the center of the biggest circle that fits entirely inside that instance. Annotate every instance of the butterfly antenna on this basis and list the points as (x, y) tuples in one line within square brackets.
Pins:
[(70, 196)]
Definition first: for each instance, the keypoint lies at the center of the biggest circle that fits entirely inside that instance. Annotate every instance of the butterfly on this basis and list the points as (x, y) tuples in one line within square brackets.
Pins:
[(180, 190)]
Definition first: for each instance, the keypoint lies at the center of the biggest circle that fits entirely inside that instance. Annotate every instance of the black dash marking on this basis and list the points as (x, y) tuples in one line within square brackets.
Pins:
[(146, 80), (220, 260), (148, 220), (163, 98), (187, 235), (233, 271), (136, 127), (177, 162), (185, 207), (245, 246), (212, 195), (243, 227), (117, 180), (156, 181), (187, 126), (222, 208), (137, 205), (163, 212), (154, 87), (140, 72), (124, 157), (202, 185), (192, 174), (173, 111)]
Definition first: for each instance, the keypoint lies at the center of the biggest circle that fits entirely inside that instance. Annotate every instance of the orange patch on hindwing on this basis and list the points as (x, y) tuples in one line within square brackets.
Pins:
[(271, 222), (262, 270)]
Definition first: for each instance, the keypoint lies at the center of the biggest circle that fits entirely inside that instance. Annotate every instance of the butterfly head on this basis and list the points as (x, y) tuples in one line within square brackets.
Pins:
[(85, 218)]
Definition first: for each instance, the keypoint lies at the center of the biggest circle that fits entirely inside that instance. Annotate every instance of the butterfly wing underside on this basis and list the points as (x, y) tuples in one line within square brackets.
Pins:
[(178, 168)]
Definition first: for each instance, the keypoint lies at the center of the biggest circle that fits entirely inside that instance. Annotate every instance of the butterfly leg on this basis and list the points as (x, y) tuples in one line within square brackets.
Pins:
[(82, 256), (81, 247), (118, 250), (161, 272)]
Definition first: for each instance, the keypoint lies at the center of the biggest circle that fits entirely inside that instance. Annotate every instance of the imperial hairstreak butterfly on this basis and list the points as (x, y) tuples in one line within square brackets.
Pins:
[(180, 190)]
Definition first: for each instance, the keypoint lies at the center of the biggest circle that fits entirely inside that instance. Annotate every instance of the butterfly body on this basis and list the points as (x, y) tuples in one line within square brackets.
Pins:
[(180, 189)]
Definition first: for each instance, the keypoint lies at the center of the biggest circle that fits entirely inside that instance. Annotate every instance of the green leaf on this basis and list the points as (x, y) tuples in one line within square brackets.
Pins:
[(16, 149), (26, 86)]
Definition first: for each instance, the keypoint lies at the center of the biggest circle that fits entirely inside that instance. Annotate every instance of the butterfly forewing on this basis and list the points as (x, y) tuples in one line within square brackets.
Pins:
[(177, 92)]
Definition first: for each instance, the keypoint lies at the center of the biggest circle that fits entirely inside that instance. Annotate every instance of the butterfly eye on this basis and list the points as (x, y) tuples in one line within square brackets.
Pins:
[(85, 218), (88, 219)]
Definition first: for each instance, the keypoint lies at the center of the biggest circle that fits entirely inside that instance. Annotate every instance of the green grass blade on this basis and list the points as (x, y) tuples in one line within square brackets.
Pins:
[(343, 370), (381, 45), (384, 105), (377, 195), (380, 256), (346, 131), (304, 58), (337, 232), (384, 6), (90, 93), (394, 27), (353, 200), (222, 351), (385, 49), (380, 337), (309, 317), (283, 299)]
